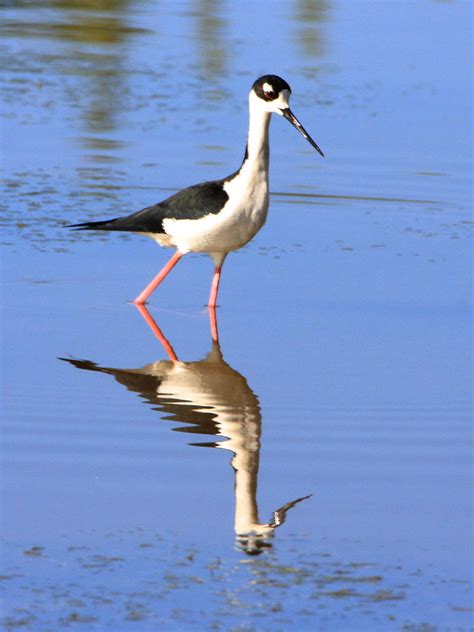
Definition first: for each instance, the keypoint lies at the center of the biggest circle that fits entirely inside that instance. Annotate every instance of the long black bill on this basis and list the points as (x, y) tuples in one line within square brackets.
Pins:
[(288, 114)]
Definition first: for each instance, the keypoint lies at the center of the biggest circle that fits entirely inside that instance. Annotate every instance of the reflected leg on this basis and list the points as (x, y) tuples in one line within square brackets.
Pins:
[(213, 324), (157, 332)]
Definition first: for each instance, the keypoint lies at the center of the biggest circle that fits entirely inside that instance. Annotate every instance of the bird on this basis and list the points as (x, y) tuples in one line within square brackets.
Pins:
[(218, 216)]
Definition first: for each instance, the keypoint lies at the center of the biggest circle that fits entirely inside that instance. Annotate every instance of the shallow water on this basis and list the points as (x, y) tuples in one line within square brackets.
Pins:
[(333, 490)]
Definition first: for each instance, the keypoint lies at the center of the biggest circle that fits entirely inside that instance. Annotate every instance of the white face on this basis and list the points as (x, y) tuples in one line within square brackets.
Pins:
[(276, 105), (282, 103)]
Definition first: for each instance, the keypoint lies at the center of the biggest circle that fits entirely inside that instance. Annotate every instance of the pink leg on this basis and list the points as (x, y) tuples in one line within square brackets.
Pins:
[(157, 332), (151, 287), (214, 287)]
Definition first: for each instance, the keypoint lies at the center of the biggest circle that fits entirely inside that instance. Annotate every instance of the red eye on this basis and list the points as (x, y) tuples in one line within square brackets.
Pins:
[(269, 94)]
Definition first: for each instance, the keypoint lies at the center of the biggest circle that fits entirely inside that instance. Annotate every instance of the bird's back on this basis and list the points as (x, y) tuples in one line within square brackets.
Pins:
[(192, 203)]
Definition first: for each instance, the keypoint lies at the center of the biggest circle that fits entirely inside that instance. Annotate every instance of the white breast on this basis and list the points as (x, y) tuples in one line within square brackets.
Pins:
[(236, 223)]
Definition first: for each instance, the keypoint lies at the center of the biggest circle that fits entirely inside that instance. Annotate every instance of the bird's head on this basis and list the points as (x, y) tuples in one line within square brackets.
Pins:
[(271, 94)]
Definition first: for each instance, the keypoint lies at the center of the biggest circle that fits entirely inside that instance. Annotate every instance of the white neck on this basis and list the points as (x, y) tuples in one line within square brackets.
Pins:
[(257, 143)]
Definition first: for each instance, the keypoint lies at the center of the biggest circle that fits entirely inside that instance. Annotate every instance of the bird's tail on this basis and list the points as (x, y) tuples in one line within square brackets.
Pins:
[(108, 224)]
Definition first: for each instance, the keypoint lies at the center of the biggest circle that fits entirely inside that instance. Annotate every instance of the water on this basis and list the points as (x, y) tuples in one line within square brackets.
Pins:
[(143, 493)]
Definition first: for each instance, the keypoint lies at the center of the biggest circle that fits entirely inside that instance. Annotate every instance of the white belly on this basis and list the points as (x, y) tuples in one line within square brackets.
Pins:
[(235, 225)]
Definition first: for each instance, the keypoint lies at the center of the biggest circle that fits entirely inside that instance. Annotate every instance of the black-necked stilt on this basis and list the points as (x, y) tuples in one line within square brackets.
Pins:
[(222, 215)]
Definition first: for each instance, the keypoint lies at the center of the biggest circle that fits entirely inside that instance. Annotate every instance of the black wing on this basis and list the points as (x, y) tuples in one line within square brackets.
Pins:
[(191, 203)]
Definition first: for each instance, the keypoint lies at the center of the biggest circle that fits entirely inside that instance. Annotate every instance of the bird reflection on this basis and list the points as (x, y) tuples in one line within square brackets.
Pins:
[(211, 398)]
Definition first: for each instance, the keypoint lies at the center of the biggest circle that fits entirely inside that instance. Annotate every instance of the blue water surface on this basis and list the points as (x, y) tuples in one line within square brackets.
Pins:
[(333, 490)]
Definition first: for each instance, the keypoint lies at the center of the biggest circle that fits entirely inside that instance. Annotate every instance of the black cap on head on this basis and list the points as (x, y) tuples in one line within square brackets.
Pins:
[(268, 87)]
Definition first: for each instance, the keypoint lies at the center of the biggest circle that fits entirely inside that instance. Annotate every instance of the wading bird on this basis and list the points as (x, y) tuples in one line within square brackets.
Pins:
[(219, 216)]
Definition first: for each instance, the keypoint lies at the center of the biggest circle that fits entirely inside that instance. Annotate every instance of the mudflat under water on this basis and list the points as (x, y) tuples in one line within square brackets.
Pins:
[(312, 471)]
